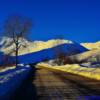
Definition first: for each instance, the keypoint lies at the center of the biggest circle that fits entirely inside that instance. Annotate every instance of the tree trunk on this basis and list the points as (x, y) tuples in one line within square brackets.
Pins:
[(16, 54)]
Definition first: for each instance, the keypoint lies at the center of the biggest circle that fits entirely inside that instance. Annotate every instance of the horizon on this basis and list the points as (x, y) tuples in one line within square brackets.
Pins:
[(72, 20)]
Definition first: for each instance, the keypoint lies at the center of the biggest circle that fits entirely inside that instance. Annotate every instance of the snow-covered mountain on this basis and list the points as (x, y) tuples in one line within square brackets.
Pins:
[(86, 56), (90, 46), (8, 47), (39, 50)]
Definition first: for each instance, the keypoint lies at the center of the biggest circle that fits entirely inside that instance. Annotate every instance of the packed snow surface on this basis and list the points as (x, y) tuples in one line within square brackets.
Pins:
[(93, 73)]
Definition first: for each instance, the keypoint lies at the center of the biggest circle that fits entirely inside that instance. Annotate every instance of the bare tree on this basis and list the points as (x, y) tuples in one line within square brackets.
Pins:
[(17, 27), (58, 51)]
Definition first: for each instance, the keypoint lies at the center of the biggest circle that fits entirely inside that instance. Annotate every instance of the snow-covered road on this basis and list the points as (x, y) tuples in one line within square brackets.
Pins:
[(11, 79)]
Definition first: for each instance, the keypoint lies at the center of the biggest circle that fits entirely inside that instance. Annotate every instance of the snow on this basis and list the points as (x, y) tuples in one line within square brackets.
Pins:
[(34, 46), (91, 46), (11, 79), (93, 73), (7, 68), (6, 77), (50, 53)]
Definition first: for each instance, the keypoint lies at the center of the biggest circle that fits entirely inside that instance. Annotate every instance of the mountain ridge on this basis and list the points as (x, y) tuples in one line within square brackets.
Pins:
[(90, 45), (7, 46)]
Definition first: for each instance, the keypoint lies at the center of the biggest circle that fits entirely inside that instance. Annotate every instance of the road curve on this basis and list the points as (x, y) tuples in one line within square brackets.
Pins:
[(53, 85)]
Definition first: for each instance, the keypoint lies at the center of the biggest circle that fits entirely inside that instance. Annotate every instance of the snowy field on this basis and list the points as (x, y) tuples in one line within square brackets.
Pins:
[(93, 73)]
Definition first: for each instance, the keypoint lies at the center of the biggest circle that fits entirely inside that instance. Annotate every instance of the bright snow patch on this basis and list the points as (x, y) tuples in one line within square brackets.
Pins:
[(93, 73)]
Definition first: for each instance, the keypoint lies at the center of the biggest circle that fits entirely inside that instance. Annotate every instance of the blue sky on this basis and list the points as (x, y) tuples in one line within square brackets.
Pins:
[(77, 20)]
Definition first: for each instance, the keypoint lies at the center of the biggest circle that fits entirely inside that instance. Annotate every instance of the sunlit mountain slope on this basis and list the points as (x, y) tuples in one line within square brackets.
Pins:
[(85, 56), (8, 47), (90, 46), (33, 52), (93, 73)]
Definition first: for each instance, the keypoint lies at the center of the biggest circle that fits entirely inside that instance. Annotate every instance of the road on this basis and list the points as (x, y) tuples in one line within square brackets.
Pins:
[(53, 85)]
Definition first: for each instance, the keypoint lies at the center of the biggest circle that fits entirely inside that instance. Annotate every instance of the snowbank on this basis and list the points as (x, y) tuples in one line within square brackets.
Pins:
[(93, 73), (11, 79)]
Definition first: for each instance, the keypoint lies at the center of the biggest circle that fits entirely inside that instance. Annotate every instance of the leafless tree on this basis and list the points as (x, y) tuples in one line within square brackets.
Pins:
[(17, 27), (58, 51)]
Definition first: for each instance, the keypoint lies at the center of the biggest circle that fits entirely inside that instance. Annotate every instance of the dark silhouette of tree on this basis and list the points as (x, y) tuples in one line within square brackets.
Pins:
[(17, 27), (58, 51)]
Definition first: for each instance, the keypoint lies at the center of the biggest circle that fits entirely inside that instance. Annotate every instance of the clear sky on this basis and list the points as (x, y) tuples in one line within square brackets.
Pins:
[(77, 20)]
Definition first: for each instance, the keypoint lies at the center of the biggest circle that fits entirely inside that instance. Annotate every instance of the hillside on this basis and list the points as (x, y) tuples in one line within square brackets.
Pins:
[(8, 47), (85, 55), (90, 46), (32, 52)]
